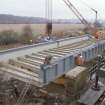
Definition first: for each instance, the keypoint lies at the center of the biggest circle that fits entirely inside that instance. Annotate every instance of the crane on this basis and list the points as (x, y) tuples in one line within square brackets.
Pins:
[(96, 13), (89, 28), (49, 18), (98, 32), (76, 12)]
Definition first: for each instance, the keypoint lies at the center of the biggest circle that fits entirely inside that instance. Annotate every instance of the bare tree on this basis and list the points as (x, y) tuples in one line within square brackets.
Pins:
[(27, 36)]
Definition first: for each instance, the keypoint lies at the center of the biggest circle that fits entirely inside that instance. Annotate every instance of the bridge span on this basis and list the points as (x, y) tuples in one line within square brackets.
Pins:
[(27, 64), (21, 51)]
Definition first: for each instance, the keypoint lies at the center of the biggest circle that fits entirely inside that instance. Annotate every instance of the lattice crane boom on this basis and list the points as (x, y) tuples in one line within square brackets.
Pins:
[(90, 28), (76, 12)]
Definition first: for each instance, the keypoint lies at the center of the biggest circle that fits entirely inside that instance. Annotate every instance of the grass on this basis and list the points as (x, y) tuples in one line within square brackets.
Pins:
[(5, 47), (40, 28)]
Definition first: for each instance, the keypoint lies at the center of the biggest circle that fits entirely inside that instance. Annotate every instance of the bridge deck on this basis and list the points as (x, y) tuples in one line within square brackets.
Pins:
[(27, 68), (28, 49)]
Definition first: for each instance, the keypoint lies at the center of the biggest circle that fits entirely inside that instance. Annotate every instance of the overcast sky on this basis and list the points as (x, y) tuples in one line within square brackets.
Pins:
[(36, 8)]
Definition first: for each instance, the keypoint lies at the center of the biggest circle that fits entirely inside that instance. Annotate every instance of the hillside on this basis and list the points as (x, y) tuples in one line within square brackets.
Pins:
[(11, 19)]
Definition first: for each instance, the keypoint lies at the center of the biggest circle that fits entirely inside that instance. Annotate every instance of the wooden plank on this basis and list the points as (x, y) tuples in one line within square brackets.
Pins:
[(28, 61), (18, 73), (70, 46), (68, 49), (38, 84), (21, 76), (24, 65), (42, 58), (34, 58), (25, 71), (44, 55), (49, 53), (38, 57), (59, 53), (65, 51)]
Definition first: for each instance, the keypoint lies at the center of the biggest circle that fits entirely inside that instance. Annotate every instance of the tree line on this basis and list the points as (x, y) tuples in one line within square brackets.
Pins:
[(11, 37)]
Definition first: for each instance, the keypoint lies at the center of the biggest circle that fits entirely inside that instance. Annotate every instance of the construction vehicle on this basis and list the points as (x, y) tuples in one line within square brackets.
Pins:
[(90, 28)]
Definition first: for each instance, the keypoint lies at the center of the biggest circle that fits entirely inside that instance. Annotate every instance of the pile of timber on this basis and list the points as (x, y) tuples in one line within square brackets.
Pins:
[(21, 70)]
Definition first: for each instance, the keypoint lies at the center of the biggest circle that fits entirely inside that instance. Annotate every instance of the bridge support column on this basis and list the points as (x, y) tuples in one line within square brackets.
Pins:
[(75, 83)]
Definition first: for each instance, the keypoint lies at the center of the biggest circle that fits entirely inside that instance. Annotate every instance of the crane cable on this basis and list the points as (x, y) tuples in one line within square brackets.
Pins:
[(75, 11), (87, 5), (48, 12), (49, 7)]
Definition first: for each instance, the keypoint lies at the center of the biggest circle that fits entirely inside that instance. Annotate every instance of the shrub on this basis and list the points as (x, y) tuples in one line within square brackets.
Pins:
[(27, 36), (8, 37)]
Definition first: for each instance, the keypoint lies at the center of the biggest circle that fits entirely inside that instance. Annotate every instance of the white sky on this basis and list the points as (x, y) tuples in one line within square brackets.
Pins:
[(36, 8)]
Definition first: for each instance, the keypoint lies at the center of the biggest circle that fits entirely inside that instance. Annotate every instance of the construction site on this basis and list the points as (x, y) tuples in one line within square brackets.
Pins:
[(66, 71)]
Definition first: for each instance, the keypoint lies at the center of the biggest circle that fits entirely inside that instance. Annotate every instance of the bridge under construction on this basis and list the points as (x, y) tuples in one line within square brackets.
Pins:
[(56, 72), (30, 67), (28, 64)]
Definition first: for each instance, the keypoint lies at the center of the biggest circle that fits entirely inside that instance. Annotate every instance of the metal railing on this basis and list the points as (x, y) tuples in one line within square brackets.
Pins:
[(40, 44), (94, 68)]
